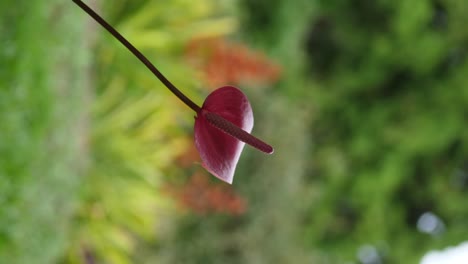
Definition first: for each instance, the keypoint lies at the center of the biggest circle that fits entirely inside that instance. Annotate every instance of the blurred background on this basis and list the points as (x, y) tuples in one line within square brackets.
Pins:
[(365, 102)]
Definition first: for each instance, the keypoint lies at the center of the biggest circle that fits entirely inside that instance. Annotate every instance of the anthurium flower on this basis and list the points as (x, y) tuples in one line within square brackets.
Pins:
[(222, 125)]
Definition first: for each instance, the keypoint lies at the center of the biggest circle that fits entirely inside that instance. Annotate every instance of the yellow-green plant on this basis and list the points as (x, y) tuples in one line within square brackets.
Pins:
[(135, 131)]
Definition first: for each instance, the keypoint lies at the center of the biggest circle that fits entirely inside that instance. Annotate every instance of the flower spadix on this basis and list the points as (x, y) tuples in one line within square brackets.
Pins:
[(222, 125)]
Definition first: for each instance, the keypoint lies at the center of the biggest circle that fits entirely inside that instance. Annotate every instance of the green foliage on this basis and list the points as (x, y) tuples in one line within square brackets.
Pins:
[(259, 236), (138, 126), (270, 230), (130, 148), (387, 84), (368, 124), (41, 88), (390, 127)]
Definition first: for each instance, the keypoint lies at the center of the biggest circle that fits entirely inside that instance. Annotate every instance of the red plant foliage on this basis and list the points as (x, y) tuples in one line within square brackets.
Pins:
[(201, 196), (228, 63)]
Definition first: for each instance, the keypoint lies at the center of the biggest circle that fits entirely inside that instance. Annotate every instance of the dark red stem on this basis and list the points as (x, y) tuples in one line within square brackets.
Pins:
[(212, 118), (139, 55)]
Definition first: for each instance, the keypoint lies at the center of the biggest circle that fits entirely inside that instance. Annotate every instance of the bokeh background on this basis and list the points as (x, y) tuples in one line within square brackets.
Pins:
[(365, 102)]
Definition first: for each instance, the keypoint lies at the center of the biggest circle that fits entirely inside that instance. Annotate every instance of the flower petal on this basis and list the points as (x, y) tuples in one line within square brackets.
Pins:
[(219, 151)]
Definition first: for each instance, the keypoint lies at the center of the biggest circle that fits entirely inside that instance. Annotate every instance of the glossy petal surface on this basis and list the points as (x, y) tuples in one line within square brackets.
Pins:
[(219, 151)]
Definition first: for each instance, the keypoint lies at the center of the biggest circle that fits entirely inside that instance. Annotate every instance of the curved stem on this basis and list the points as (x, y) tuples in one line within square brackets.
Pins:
[(139, 55)]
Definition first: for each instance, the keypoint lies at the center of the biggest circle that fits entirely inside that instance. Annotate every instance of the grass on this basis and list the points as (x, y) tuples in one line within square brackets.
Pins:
[(42, 88)]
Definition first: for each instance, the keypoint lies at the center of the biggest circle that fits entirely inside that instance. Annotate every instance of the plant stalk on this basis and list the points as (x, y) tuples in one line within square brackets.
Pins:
[(139, 55)]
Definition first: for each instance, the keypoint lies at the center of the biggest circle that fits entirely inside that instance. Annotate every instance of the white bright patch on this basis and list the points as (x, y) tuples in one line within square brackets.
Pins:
[(430, 223), (450, 255)]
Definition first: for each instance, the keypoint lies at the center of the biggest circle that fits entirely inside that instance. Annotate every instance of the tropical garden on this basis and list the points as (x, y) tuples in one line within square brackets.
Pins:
[(365, 103)]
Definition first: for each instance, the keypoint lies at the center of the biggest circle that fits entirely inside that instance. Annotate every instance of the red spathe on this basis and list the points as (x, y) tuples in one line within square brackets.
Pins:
[(219, 151)]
